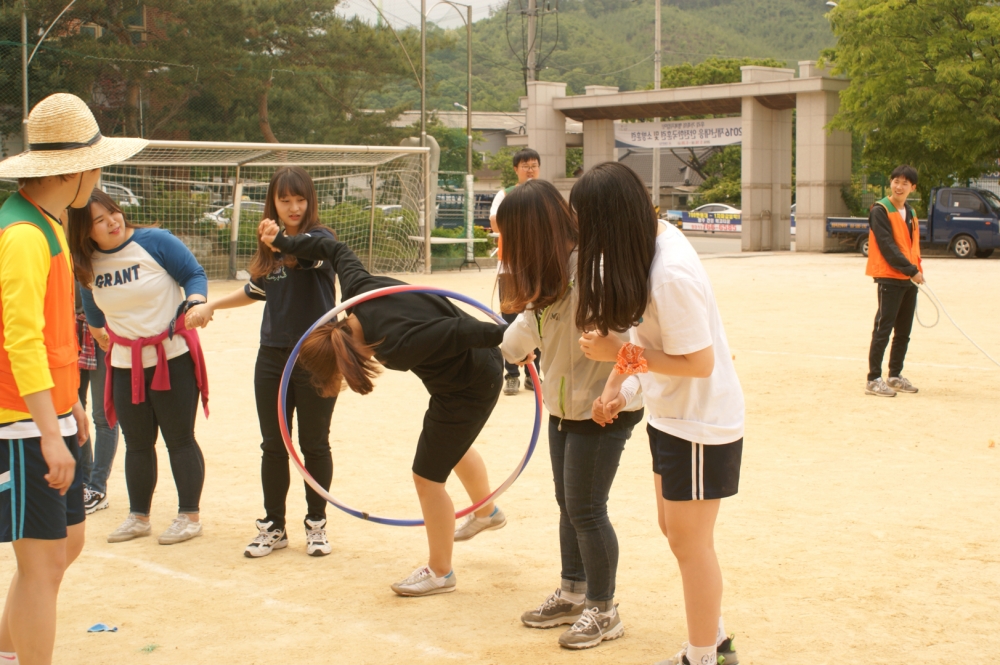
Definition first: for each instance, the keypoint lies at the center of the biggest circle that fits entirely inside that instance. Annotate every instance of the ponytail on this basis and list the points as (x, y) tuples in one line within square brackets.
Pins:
[(332, 356)]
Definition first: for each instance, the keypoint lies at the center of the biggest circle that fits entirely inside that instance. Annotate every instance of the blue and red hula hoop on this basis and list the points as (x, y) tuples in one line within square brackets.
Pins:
[(347, 304)]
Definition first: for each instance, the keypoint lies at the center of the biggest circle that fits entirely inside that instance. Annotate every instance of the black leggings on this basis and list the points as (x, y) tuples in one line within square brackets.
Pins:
[(172, 412), (314, 414)]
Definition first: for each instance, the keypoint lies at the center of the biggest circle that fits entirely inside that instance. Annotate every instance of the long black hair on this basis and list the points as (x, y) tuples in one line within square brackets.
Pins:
[(617, 226)]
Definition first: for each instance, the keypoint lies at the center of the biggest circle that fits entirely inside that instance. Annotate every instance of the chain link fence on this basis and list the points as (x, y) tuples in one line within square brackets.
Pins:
[(211, 196)]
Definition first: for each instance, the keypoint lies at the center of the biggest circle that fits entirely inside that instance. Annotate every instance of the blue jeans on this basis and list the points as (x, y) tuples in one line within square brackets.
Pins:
[(97, 458), (583, 467)]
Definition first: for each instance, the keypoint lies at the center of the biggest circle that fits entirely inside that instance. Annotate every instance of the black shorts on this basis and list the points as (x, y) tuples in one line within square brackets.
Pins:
[(29, 508), (692, 471), (454, 420)]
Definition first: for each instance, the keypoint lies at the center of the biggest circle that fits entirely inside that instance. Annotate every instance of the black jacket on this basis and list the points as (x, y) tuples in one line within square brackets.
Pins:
[(418, 332)]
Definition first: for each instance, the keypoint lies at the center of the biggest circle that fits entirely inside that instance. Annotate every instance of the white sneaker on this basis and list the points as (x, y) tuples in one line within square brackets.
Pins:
[(316, 542), (93, 501), (130, 529), (423, 582), (181, 529), (472, 525), (266, 541)]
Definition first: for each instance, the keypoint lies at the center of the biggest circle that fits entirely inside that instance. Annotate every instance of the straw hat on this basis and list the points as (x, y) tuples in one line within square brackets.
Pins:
[(63, 137)]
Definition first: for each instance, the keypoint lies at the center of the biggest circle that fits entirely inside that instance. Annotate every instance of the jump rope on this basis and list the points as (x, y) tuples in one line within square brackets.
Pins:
[(286, 376), (938, 308)]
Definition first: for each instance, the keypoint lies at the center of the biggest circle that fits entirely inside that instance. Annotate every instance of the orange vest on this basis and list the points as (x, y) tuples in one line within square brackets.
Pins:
[(59, 332), (907, 237)]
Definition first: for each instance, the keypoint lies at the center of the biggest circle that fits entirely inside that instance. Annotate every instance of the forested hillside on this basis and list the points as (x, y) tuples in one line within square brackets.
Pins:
[(610, 42)]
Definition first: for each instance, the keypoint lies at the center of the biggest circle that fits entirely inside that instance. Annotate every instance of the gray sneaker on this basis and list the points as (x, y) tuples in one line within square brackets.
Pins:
[(181, 529), (592, 628), (423, 582), (878, 387), (472, 525), (554, 611), (511, 385), (130, 529), (901, 384)]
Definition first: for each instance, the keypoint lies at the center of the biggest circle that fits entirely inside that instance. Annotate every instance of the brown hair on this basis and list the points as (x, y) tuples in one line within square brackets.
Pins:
[(618, 227), (538, 232), (81, 223), (286, 181), (332, 356)]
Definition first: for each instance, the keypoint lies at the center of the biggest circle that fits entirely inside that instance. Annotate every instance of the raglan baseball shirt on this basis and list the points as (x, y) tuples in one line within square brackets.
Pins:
[(137, 289)]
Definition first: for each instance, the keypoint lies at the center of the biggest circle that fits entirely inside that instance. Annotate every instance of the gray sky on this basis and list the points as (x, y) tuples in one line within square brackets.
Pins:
[(401, 13)]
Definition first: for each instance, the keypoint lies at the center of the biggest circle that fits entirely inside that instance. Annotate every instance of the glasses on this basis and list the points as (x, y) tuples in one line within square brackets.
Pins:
[(529, 167)]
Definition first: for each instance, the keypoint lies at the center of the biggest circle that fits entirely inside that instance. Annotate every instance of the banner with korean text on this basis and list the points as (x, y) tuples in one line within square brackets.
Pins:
[(679, 133)]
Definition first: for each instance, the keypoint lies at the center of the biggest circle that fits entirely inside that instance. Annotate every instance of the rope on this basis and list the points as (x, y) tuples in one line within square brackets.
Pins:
[(936, 303)]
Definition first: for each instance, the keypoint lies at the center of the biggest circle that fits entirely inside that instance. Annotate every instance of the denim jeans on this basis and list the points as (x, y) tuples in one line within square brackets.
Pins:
[(583, 467), (98, 454)]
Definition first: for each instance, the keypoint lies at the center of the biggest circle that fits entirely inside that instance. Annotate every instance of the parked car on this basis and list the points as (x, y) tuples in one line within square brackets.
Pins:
[(122, 195), (389, 212), (963, 220), (222, 216), (718, 207), (793, 219)]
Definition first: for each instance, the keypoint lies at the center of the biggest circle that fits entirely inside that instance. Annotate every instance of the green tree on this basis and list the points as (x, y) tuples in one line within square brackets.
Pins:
[(711, 71), (250, 70), (924, 85), (452, 143), (502, 160), (724, 183)]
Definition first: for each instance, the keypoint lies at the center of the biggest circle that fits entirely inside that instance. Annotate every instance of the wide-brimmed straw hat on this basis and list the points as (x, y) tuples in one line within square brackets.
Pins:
[(63, 137)]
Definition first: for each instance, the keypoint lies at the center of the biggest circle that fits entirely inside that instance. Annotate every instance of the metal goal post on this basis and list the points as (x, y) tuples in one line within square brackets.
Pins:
[(211, 195)]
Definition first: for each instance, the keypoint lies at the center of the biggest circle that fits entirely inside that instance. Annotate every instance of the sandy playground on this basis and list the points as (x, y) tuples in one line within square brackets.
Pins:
[(866, 530)]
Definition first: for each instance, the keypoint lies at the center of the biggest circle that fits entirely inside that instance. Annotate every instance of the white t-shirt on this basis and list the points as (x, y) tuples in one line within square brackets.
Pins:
[(497, 200), (682, 318)]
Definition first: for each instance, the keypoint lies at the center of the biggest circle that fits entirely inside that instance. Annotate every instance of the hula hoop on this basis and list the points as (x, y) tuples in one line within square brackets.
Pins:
[(286, 376)]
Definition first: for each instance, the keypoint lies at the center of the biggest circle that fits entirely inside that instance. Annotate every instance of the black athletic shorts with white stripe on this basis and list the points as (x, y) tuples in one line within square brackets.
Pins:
[(693, 471)]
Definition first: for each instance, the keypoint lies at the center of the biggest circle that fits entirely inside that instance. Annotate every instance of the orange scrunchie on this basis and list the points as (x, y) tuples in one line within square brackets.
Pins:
[(630, 360)]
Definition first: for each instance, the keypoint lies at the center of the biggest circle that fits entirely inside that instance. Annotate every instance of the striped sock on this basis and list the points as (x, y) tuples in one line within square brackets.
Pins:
[(8, 658)]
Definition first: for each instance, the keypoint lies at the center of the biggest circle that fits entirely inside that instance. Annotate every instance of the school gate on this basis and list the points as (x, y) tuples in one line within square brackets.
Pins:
[(765, 99)]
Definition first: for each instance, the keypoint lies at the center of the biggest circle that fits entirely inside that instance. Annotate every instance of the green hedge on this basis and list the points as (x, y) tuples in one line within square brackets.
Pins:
[(457, 251)]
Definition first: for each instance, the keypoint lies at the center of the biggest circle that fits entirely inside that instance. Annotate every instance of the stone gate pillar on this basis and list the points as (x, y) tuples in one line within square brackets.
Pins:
[(767, 168), (547, 128), (598, 135), (822, 164)]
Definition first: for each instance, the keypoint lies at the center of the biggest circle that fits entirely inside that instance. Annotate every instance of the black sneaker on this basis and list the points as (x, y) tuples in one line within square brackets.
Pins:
[(511, 385), (94, 501)]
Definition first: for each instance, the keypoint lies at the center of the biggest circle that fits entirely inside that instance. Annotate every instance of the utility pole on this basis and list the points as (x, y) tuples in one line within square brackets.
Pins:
[(24, 77), (656, 86), (468, 93), (423, 73), (532, 59)]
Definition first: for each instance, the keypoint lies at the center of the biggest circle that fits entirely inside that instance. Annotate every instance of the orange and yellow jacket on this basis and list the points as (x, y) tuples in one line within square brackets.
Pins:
[(38, 344)]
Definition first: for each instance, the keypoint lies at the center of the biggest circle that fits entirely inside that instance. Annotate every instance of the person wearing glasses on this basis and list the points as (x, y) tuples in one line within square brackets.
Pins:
[(527, 164)]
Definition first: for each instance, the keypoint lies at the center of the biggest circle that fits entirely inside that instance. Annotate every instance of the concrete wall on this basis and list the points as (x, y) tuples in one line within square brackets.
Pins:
[(823, 165), (767, 168), (547, 128)]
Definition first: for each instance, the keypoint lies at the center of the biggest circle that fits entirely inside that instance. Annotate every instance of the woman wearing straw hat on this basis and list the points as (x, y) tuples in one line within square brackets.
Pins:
[(42, 423)]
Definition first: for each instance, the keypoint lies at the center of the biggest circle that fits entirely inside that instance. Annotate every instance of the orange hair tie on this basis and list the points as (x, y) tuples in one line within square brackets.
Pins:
[(630, 360)]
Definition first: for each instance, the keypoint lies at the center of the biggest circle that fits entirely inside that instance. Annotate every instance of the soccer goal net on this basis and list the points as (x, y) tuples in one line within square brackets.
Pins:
[(212, 195)]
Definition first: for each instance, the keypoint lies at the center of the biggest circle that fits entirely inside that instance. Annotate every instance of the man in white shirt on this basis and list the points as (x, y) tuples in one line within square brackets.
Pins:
[(526, 165)]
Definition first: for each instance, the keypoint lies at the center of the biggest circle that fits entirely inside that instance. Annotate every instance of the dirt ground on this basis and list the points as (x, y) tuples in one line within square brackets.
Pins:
[(865, 529)]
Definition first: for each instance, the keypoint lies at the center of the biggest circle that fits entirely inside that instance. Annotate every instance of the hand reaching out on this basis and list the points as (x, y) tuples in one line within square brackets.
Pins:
[(268, 231), (198, 316)]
